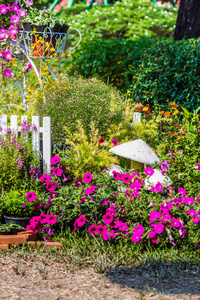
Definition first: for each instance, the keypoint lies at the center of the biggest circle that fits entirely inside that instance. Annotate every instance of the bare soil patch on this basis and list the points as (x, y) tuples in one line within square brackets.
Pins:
[(36, 277)]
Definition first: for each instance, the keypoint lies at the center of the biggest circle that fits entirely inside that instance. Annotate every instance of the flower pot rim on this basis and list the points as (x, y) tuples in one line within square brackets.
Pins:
[(19, 218)]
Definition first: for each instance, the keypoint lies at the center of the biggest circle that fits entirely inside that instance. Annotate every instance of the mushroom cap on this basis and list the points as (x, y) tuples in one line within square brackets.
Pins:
[(136, 150), (151, 181)]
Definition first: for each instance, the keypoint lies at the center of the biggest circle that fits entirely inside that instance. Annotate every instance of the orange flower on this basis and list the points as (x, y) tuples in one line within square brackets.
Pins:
[(172, 103), (171, 133), (175, 106), (167, 114), (161, 112)]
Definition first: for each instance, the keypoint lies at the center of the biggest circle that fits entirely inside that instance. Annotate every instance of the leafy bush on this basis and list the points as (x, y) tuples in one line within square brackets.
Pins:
[(169, 72), (125, 19), (109, 60), (86, 100)]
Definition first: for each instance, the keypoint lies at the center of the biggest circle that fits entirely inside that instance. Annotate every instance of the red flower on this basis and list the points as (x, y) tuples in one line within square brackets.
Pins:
[(178, 140), (182, 132), (176, 125), (171, 133), (139, 108), (148, 112)]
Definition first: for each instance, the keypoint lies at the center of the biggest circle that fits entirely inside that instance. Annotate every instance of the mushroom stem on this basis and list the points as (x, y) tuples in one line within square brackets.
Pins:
[(137, 165)]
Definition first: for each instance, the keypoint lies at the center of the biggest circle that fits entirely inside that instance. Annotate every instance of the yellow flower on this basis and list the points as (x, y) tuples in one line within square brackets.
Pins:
[(68, 54), (161, 112), (176, 112), (145, 108)]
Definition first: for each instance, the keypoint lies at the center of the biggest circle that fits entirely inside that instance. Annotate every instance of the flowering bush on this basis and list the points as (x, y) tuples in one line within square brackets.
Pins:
[(16, 158)]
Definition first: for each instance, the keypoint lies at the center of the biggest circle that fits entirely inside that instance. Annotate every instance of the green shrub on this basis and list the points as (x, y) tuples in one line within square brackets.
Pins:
[(83, 100), (109, 60), (169, 71), (125, 19)]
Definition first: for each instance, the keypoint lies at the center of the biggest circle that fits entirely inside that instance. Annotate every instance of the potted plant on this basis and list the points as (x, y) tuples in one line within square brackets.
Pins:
[(43, 26), (16, 207)]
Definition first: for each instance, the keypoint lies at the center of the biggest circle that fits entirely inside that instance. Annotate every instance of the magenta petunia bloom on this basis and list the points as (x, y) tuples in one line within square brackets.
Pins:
[(108, 218), (31, 196), (115, 143), (136, 237), (188, 200), (198, 199), (105, 202), (148, 171), (198, 166), (175, 222), (92, 229), (43, 218), (101, 141), (165, 216), (51, 219), (87, 177), (182, 191), (21, 13), (171, 153), (139, 229), (8, 55), (151, 234), (3, 34), (102, 229), (46, 239), (164, 166), (28, 3), (157, 188), (122, 226), (81, 221), (166, 206), (34, 221), (57, 172), (7, 73), (55, 160), (13, 30), (15, 7), (3, 9), (116, 175), (159, 228), (45, 178), (108, 235), (90, 190), (78, 182), (51, 186), (192, 212), (14, 19), (153, 216), (155, 239), (196, 219), (125, 178)]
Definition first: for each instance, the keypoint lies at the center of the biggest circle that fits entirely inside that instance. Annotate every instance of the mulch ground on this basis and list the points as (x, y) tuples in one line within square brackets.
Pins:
[(38, 278)]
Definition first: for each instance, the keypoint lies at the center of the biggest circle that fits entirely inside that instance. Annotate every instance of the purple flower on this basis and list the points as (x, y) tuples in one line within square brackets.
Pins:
[(49, 230), (182, 191), (198, 166), (20, 163), (164, 166), (171, 153), (23, 205)]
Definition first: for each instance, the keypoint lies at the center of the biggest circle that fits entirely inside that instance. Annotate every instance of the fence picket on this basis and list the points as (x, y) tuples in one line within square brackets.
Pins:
[(3, 123), (14, 126), (36, 134), (46, 143)]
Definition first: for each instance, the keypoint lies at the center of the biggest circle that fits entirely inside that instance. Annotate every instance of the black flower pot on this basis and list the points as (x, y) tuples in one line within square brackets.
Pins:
[(27, 26), (23, 221)]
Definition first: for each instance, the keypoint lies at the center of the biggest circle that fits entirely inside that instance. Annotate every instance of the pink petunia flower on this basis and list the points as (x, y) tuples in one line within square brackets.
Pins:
[(3, 9), (8, 55), (171, 153), (92, 229), (153, 216), (14, 19), (55, 160), (116, 175), (43, 217), (188, 200), (21, 13), (159, 228), (51, 186), (196, 219), (101, 229), (198, 166), (125, 178), (139, 229), (115, 143), (45, 178), (136, 237), (151, 234), (90, 190), (157, 188), (7, 73), (3, 34), (166, 206), (57, 172), (122, 226), (175, 222), (28, 3), (87, 177), (31, 196), (105, 202), (13, 30), (182, 191), (108, 218), (155, 239), (51, 219), (148, 171), (108, 235), (101, 141), (192, 212), (15, 7)]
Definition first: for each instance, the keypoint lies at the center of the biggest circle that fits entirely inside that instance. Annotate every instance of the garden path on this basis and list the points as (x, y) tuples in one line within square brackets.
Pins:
[(35, 278)]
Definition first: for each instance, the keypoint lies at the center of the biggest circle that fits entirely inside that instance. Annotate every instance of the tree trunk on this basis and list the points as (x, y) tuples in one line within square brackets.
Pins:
[(188, 21)]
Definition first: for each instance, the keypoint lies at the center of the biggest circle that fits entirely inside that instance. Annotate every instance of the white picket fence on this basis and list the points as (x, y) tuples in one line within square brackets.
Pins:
[(45, 130)]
